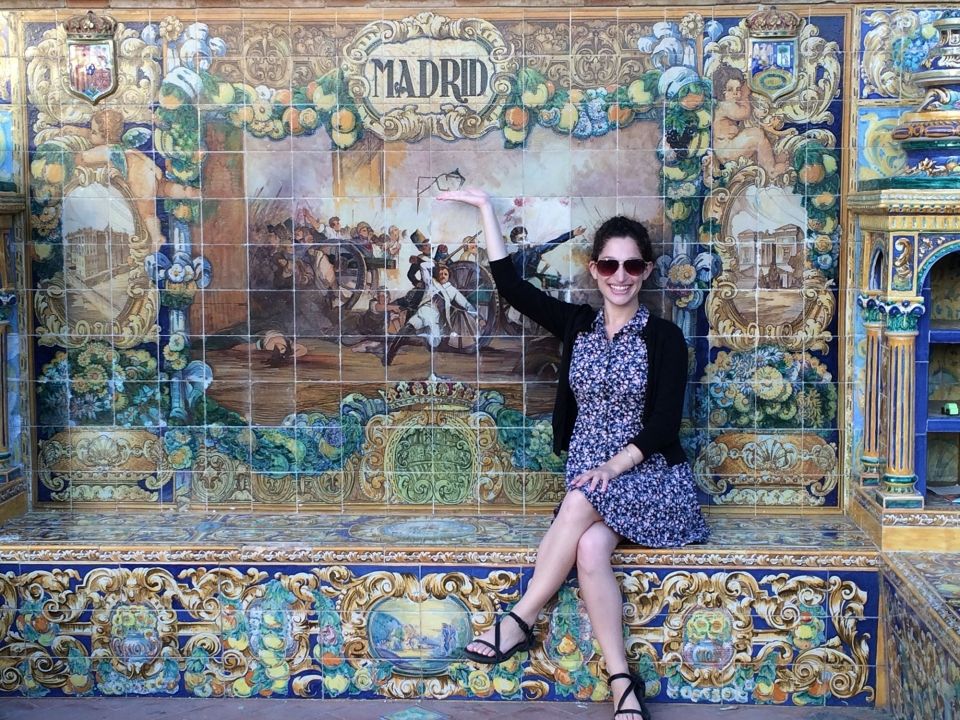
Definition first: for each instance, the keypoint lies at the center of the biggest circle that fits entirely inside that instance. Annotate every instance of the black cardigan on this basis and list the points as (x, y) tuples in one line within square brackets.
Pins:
[(666, 350)]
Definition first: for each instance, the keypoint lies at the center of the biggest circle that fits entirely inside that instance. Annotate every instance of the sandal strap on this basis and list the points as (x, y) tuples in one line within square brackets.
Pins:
[(521, 623), (631, 689)]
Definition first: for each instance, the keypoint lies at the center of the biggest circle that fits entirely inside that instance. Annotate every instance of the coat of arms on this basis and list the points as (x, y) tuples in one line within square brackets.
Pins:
[(91, 56), (773, 50)]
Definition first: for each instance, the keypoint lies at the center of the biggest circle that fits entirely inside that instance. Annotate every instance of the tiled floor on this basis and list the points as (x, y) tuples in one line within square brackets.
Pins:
[(171, 708)]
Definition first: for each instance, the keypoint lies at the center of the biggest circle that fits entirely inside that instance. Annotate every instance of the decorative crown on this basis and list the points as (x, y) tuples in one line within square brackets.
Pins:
[(90, 25), (770, 22), (429, 392)]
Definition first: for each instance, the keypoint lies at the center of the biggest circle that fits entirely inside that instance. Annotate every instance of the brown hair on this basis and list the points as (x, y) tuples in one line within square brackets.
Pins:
[(724, 74), (621, 226)]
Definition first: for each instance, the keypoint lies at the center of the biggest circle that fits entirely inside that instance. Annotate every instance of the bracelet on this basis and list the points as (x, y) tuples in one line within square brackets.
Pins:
[(629, 449)]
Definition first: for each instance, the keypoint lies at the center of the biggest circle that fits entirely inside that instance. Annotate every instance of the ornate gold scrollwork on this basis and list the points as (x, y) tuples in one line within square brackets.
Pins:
[(877, 68), (723, 605), (91, 465), (768, 468)]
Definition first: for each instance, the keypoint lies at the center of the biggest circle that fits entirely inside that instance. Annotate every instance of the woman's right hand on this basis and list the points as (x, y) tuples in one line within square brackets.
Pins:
[(468, 195), (496, 248)]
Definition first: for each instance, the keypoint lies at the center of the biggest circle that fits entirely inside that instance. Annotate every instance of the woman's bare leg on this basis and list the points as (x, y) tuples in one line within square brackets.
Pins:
[(601, 594), (555, 557)]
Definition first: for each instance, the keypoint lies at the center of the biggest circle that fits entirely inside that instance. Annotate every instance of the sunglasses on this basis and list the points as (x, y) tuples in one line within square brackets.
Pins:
[(608, 266)]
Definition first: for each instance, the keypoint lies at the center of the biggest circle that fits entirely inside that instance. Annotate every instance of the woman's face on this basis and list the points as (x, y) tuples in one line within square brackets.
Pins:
[(621, 288)]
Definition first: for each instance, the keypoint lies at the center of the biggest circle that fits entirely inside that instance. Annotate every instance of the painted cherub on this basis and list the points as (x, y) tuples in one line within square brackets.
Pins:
[(143, 176), (734, 134)]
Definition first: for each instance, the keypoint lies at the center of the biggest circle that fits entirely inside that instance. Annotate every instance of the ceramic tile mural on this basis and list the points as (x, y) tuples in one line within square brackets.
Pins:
[(161, 616), (226, 248)]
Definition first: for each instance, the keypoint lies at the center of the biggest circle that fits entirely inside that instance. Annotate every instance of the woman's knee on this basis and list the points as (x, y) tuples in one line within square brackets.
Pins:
[(575, 506), (595, 548)]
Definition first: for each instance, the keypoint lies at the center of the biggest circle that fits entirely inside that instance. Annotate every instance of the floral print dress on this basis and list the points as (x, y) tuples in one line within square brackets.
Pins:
[(652, 504)]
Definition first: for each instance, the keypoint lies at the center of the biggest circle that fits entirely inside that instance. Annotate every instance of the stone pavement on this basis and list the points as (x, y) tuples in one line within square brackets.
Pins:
[(229, 709)]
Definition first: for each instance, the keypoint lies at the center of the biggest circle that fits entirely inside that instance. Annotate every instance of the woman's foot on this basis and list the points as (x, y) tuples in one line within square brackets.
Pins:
[(514, 635), (627, 693)]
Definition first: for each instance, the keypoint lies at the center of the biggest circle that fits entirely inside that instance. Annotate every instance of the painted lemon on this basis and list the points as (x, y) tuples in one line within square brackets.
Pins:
[(515, 136), (829, 164), (278, 671), (238, 643), (699, 143), (535, 98), (343, 140), (638, 93), (224, 94), (336, 683), (569, 115), (241, 688), (325, 102), (674, 172)]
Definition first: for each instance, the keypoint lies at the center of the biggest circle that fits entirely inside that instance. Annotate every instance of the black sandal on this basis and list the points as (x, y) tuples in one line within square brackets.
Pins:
[(635, 687), (500, 656)]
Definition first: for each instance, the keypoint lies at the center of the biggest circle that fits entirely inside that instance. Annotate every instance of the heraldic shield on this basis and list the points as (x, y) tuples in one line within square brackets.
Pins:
[(91, 56), (773, 53)]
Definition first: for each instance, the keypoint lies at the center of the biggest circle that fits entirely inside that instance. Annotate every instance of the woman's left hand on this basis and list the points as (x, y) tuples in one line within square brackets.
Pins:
[(601, 475)]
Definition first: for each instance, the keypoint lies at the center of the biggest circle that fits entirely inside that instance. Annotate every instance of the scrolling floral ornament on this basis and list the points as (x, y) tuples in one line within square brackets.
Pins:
[(340, 631), (714, 651)]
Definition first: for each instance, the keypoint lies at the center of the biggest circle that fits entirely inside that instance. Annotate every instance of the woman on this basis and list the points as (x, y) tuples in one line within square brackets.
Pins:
[(622, 379)]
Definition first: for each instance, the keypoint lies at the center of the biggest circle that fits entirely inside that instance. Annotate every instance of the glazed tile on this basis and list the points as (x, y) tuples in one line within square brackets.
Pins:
[(521, 532)]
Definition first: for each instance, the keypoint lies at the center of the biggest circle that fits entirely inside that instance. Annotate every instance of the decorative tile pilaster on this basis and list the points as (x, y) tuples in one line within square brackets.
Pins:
[(898, 484)]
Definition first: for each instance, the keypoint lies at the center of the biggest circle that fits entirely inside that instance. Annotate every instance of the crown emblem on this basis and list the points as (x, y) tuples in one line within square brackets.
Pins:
[(430, 392), (90, 25), (770, 22)]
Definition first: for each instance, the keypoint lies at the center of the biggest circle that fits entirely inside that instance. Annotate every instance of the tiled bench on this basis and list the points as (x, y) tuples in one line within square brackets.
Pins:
[(775, 609)]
